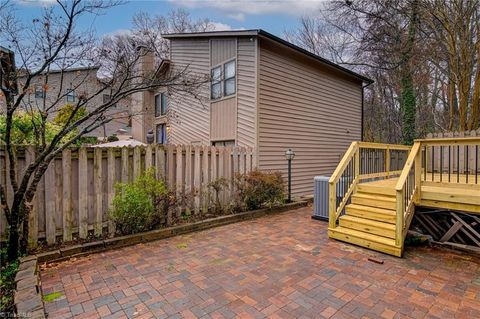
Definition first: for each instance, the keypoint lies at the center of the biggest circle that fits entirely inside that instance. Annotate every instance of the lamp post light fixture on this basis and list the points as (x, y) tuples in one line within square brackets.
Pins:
[(150, 137), (289, 155)]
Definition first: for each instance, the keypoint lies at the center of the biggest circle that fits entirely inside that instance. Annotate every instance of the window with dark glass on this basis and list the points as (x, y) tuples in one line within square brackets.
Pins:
[(223, 80), (163, 103), (70, 96), (229, 82), (160, 104), (39, 92), (161, 134), (216, 87), (224, 143)]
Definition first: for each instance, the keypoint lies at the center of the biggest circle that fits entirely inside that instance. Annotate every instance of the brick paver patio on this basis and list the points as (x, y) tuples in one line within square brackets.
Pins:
[(280, 266)]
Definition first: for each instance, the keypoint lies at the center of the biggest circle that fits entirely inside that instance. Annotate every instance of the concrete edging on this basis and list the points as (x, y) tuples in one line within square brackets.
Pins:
[(122, 241), (28, 293)]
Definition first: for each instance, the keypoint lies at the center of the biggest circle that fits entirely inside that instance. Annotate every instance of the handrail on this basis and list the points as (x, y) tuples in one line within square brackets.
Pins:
[(384, 146), (449, 140), (408, 166), (344, 162)]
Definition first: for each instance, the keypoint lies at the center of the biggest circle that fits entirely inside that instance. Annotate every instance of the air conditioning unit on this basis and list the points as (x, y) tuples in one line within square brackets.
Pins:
[(320, 197)]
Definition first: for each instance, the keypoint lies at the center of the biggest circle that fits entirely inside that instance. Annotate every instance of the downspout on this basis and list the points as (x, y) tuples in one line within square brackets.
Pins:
[(362, 116)]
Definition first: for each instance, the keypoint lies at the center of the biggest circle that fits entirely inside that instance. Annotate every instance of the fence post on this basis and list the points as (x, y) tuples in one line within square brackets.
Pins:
[(180, 180), (124, 164)]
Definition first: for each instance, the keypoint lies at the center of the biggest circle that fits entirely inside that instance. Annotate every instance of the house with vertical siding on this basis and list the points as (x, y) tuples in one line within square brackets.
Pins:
[(265, 93)]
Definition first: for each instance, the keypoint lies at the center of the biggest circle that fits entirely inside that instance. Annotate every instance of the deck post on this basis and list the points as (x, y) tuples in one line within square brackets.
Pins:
[(418, 174), (399, 218), (387, 162), (332, 207)]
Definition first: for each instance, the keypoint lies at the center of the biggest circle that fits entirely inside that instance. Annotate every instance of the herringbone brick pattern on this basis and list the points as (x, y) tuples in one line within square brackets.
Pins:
[(280, 266)]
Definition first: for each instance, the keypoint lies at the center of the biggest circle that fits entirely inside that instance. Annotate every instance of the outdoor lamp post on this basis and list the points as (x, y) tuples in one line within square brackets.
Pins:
[(289, 155), (150, 137)]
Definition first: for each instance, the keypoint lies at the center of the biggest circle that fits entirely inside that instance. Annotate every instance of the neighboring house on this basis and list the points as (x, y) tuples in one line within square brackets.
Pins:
[(72, 84), (264, 93)]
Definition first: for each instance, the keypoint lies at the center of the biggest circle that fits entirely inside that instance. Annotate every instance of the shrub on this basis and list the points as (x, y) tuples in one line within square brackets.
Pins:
[(258, 189), (141, 205), (217, 186)]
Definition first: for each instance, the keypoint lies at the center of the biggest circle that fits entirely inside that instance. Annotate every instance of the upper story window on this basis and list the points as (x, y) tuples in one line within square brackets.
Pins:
[(160, 104), (229, 84), (39, 92), (70, 96), (223, 81)]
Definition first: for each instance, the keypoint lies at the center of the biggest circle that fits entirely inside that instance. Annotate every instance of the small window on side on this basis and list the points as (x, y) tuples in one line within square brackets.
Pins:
[(161, 134), (157, 105), (163, 109), (70, 96), (39, 92)]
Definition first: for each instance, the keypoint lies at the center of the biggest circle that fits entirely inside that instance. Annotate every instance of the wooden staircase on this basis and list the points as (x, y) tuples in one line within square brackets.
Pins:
[(369, 220), (375, 188)]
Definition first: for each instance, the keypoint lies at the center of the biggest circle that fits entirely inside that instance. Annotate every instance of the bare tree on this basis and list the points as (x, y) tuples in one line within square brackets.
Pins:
[(52, 43), (428, 48)]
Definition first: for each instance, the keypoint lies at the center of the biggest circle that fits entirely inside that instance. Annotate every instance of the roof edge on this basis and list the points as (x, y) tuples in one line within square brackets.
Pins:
[(268, 35)]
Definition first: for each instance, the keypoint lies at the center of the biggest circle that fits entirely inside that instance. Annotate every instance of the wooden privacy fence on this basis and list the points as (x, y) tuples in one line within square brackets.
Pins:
[(75, 193)]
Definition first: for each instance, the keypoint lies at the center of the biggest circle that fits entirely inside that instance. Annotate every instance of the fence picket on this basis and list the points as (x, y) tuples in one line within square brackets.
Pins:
[(110, 186), (205, 179), (148, 157), (98, 187), (82, 193), (33, 216), (50, 205), (67, 195), (68, 200), (196, 179)]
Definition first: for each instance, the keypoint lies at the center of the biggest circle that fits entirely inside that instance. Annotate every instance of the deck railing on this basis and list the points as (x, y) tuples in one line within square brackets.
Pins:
[(362, 161), (451, 160), (407, 190)]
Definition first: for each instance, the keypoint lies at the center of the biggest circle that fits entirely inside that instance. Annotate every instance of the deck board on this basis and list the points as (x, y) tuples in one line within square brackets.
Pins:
[(438, 193)]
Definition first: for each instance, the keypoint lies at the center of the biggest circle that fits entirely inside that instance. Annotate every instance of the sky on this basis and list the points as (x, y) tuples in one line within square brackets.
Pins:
[(274, 16)]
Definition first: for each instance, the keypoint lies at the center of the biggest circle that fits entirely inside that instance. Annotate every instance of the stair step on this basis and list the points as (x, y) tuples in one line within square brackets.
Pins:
[(378, 201), (368, 226), (376, 189), (373, 213), (378, 243)]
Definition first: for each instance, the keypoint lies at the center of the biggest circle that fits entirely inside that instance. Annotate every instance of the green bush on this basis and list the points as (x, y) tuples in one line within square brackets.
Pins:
[(141, 205), (258, 189)]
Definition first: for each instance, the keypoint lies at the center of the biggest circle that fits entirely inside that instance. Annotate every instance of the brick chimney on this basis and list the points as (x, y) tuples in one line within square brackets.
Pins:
[(143, 102)]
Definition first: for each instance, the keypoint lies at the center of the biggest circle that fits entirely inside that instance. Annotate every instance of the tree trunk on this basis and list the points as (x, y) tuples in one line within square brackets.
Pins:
[(13, 236)]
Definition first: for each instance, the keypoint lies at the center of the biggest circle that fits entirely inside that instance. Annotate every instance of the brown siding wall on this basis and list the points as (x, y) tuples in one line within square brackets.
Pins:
[(190, 117), (246, 95), (308, 108), (223, 119), (222, 50)]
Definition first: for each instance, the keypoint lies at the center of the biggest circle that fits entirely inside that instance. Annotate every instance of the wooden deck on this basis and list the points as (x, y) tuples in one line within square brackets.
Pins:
[(436, 194), (377, 214)]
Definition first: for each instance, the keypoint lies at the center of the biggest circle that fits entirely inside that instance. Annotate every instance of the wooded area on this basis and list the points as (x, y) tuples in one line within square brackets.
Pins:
[(424, 57)]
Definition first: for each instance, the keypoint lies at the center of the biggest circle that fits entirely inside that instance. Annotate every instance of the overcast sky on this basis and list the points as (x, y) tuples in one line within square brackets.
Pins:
[(274, 16)]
